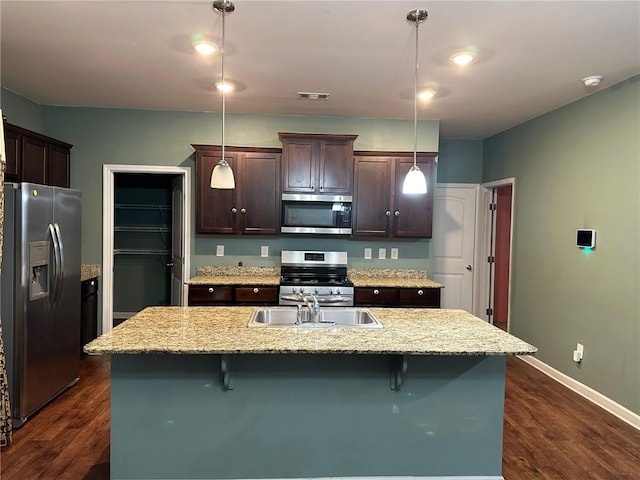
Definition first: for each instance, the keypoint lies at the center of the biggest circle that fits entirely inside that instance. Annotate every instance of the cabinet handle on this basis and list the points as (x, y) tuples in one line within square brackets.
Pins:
[(243, 210), (420, 292), (210, 289), (376, 291), (387, 213), (255, 290), (234, 210), (396, 213), (92, 283)]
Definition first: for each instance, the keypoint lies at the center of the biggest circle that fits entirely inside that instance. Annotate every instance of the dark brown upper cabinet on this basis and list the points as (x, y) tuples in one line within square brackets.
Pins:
[(317, 163), (253, 207), (379, 206), (36, 158)]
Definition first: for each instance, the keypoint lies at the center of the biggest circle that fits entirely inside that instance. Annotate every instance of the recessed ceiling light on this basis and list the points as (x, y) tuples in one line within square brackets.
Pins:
[(427, 94), (462, 58), (225, 87), (313, 96), (204, 47), (592, 81)]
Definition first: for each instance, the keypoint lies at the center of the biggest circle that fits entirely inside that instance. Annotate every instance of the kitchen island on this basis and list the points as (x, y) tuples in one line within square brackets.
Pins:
[(198, 394)]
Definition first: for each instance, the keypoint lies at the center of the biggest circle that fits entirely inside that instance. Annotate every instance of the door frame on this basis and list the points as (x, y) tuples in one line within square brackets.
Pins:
[(486, 233), (108, 197)]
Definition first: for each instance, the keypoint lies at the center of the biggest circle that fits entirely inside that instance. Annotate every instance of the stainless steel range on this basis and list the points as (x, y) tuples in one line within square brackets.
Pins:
[(312, 274)]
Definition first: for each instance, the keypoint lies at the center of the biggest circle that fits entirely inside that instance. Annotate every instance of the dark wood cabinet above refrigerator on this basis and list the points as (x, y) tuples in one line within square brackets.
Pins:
[(36, 158)]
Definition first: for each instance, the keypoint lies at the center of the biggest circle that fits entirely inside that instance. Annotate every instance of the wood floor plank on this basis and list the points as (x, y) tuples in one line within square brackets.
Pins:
[(550, 433)]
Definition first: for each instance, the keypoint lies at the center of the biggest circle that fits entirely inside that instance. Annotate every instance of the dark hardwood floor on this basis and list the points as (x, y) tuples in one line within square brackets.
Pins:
[(550, 433)]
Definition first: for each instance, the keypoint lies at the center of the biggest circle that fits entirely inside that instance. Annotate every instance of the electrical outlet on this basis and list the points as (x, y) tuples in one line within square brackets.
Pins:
[(394, 254), (578, 353), (264, 251), (219, 250), (382, 253), (367, 254)]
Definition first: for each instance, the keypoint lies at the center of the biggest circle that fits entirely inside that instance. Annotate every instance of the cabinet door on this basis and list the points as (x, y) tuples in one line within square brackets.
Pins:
[(420, 297), (259, 186), (257, 295), (216, 209), (375, 296), (300, 165), (206, 295), (34, 160), (13, 150), (372, 195), (335, 173), (412, 214), (58, 166)]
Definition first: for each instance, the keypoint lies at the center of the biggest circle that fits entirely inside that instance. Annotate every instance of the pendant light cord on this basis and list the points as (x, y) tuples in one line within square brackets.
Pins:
[(415, 102), (223, 84)]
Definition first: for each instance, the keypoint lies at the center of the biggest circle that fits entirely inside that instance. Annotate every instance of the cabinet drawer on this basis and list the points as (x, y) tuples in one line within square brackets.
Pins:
[(376, 296), (261, 295), (420, 297), (210, 295)]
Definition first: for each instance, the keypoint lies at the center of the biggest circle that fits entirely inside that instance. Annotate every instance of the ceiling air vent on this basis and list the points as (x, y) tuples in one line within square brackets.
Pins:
[(313, 96)]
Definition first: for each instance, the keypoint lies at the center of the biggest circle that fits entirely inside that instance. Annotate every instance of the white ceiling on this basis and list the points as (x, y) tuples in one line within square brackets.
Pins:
[(137, 54)]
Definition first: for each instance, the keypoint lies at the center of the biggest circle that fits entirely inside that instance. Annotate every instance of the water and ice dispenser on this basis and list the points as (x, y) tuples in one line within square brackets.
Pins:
[(39, 269)]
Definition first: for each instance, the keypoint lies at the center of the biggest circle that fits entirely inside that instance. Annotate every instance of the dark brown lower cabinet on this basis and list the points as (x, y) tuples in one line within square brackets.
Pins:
[(221, 295), (397, 297), (88, 312)]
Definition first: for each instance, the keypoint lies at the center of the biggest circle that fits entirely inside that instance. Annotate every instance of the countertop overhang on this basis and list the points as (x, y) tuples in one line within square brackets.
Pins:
[(223, 330)]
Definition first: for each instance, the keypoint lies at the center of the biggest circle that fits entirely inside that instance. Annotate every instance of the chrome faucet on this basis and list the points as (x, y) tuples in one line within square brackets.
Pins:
[(312, 305)]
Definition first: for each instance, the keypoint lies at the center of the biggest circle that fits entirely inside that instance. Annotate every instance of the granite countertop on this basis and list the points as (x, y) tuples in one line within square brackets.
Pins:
[(87, 272), (394, 278), (223, 330), (207, 275)]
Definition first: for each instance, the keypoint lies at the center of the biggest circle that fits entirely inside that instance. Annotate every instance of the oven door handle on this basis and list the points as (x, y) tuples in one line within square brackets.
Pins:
[(331, 299)]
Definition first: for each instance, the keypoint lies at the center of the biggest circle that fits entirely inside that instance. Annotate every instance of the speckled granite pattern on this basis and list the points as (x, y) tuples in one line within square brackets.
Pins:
[(223, 330), (234, 280), (403, 278), (89, 271), (238, 271)]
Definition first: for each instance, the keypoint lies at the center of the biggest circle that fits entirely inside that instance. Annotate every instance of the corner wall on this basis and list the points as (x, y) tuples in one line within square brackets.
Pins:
[(578, 167)]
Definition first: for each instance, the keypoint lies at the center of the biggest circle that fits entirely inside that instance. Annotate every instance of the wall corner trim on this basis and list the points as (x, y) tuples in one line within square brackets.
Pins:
[(590, 394)]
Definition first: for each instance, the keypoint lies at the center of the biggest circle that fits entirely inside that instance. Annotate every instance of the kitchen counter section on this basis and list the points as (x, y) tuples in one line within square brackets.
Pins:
[(234, 280), (392, 278), (87, 272), (223, 330)]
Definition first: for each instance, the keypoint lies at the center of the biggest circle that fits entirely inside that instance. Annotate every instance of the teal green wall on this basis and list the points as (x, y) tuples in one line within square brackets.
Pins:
[(20, 111), (578, 167), (460, 161), (115, 136)]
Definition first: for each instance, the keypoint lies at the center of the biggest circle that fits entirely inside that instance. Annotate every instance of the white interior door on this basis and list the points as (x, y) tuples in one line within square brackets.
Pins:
[(177, 244), (454, 225)]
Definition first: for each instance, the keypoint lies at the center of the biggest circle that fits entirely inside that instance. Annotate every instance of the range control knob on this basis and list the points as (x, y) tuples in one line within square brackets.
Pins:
[(316, 291), (337, 291), (301, 290)]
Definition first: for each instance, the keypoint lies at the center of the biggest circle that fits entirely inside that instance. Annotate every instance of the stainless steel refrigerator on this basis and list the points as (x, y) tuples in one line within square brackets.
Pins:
[(40, 294)]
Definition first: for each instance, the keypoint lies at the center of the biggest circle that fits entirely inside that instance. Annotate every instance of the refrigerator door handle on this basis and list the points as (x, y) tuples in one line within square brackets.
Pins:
[(56, 267), (56, 227)]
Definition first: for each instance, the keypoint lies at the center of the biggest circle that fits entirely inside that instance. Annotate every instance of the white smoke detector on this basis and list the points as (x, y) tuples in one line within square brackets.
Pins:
[(592, 81)]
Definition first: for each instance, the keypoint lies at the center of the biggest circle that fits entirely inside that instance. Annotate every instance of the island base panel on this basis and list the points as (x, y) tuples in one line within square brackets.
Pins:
[(301, 416)]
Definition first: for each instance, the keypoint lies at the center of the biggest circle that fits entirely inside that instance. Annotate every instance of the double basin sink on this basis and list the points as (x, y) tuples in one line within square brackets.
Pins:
[(333, 317)]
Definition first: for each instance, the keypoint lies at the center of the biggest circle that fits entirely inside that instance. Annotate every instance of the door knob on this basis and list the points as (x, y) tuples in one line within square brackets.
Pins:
[(469, 267)]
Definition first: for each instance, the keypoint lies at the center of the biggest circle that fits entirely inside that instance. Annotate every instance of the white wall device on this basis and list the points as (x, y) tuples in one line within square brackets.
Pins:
[(586, 238)]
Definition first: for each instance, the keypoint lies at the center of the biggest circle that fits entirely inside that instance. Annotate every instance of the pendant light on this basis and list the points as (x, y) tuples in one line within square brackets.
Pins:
[(222, 175), (414, 182)]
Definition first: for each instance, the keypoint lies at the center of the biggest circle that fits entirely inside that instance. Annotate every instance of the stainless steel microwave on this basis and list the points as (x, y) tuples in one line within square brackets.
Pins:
[(319, 214)]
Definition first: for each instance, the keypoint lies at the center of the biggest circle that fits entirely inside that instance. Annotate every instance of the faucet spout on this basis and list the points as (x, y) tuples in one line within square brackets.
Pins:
[(311, 302)]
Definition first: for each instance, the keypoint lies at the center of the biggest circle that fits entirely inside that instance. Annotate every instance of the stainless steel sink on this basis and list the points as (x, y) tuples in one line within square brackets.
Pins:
[(335, 317)]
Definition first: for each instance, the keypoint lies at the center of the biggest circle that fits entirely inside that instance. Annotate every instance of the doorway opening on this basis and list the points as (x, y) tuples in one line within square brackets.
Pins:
[(497, 245), (146, 223)]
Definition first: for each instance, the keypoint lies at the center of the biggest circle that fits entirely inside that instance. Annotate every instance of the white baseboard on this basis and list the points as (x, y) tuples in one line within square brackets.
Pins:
[(589, 393)]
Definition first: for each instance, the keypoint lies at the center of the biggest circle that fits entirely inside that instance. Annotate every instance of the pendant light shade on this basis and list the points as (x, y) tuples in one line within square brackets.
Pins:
[(222, 174), (415, 182)]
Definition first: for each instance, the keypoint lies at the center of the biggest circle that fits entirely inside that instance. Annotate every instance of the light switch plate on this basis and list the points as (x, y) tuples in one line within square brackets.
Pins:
[(394, 254), (264, 251), (382, 253), (367, 254), (219, 250)]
